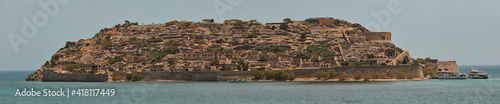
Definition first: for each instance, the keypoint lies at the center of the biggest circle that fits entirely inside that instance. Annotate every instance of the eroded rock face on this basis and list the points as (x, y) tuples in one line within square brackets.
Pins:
[(35, 76)]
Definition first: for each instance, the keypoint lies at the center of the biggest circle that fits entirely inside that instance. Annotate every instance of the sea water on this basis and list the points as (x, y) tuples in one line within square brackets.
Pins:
[(435, 91)]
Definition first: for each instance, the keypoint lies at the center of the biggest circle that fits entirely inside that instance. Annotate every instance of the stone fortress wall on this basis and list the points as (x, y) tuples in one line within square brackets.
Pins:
[(450, 65), (51, 76), (378, 36), (222, 76), (435, 64), (188, 76), (415, 69)]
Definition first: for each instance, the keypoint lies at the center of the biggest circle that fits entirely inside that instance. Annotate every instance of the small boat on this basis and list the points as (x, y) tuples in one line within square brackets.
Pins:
[(449, 75), (474, 74), (237, 81)]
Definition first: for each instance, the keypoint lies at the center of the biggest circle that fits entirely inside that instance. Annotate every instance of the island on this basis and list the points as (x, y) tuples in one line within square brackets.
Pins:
[(311, 49)]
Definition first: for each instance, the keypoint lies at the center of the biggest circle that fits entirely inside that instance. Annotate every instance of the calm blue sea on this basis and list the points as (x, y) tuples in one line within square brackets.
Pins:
[(484, 91)]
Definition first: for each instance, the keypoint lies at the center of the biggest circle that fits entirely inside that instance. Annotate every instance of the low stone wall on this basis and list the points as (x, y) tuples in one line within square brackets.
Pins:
[(416, 69), (378, 36), (188, 76), (450, 65), (51, 76), (222, 76), (300, 73)]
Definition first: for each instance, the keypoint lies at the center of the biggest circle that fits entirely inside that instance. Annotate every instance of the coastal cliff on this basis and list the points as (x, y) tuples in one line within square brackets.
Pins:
[(233, 46)]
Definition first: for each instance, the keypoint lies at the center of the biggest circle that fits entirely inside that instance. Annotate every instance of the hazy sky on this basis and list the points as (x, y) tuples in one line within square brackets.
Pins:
[(461, 30)]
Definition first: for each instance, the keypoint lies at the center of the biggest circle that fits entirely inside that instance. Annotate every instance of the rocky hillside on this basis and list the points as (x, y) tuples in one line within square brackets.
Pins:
[(233, 45)]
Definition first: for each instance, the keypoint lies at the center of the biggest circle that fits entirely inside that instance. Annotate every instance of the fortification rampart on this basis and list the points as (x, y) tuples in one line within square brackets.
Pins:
[(378, 36), (188, 76), (300, 73), (416, 69), (51, 76), (221, 76), (450, 65)]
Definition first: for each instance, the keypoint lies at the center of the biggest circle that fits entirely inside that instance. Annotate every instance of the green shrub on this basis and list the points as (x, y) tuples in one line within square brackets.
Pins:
[(132, 40), (345, 63), (281, 76), (156, 55), (287, 20), (284, 26), (367, 78), (214, 62), (388, 44), (227, 68), (114, 60), (397, 49), (370, 56), (172, 43), (321, 75), (358, 75), (234, 41), (357, 63), (171, 50), (242, 65), (134, 77), (254, 22), (375, 75), (305, 55), (342, 76), (153, 68), (401, 75), (137, 77), (272, 48), (258, 75), (409, 76), (318, 74), (291, 76), (392, 75), (383, 75), (245, 41), (171, 23), (171, 61), (71, 67), (323, 50), (333, 74), (263, 58), (269, 75), (272, 75), (154, 40), (130, 76), (420, 60), (251, 35), (208, 20), (429, 72)]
